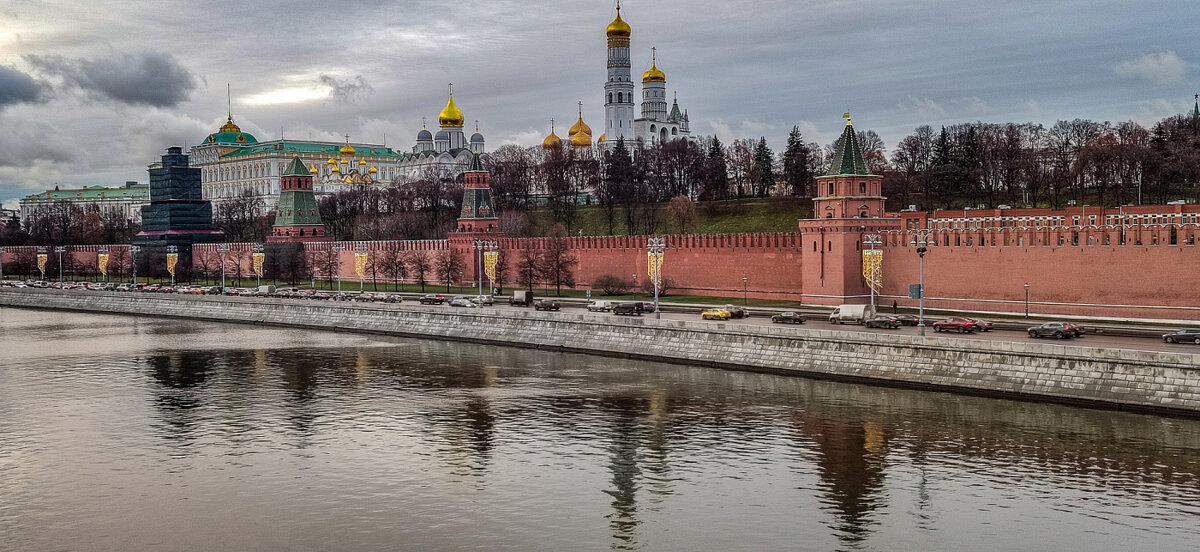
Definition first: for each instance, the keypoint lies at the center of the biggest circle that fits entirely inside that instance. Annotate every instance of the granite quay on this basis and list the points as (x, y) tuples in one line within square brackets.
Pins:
[(1164, 382)]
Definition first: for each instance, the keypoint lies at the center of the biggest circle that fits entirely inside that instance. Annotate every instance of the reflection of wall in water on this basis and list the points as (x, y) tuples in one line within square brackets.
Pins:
[(850, 454)]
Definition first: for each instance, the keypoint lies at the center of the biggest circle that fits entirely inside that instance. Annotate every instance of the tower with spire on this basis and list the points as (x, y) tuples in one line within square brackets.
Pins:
[(618, 89), (296, 216), (848, 207)]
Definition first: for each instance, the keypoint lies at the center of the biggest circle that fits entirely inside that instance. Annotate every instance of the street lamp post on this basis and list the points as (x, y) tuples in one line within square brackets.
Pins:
[(656, 247), (1, 263), (872, 240), (258, 249), (172, 249), (1026, 299), (922, 242), (745, 291), (133, 251), (480, 247), (60, 250), (223, 248), (100, 251)]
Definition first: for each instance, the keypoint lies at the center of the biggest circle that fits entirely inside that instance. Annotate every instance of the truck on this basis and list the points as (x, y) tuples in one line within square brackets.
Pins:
[(521, 297), (856, 314)]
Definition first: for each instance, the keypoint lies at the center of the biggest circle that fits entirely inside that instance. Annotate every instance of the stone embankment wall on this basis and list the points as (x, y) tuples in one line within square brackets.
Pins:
[(1136, 380)]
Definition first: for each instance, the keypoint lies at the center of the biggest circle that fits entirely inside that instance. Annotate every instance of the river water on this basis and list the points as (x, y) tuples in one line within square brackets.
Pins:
[(126, 433)]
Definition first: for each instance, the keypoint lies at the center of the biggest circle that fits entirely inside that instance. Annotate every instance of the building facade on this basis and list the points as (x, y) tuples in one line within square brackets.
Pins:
[(125, 202)]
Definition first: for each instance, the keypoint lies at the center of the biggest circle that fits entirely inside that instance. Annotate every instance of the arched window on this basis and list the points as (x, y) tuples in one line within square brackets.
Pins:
[(610, 97), (674, 131)]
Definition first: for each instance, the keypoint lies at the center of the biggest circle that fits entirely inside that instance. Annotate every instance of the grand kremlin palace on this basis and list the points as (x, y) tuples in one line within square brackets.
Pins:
[(232, 161)]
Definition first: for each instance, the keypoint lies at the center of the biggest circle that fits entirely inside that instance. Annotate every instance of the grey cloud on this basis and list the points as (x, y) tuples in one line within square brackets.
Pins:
[(24, 143), (17, 87), (151, 79), (347, 91)]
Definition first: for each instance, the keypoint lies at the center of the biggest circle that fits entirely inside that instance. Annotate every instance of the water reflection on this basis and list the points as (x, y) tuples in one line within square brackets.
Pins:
[(507, 449)]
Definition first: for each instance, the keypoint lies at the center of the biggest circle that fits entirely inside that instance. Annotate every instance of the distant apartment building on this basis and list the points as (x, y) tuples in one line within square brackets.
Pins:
[(125, 201)]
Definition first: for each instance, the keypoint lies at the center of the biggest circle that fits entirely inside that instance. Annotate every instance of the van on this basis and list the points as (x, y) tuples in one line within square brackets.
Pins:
[(521, 297), (856, 314), (628, 309), (601, 306)]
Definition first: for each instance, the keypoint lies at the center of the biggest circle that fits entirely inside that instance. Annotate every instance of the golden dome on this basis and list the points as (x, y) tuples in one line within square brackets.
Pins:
[(581, 140), (331, 161), (618, 27), (552, 141), (654, 74), (335, 169), (602, 138), (229, 126), (362, 162), (312, 170), (343, 161), (372, 170), (580, 127), (451, 115), (347, 149)]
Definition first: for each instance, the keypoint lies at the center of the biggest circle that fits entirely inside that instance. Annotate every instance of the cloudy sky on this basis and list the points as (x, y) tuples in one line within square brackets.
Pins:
[(90, 92)]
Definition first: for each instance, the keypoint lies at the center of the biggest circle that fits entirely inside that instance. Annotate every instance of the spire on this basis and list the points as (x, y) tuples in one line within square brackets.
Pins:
[(296, 168), (848, 157), (229, 100), (1196, 108), (476, 163)]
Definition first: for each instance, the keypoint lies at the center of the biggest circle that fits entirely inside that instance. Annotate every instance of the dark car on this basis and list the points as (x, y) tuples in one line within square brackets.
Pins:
[(433, 299), (1183, 336), (735, 312), (546, 305), (908, 319), (1057, 330), (883, 321), (647, 306), (960, 325), (1074, 329), (628, 309), (787, 318), (983, 325)]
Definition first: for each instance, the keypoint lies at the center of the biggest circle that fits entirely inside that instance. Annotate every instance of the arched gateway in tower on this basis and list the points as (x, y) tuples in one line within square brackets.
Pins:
[(848, 206)]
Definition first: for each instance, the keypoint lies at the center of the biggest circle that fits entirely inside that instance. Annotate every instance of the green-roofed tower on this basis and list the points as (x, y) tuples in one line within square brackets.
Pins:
[(296, 217), (848, 157)]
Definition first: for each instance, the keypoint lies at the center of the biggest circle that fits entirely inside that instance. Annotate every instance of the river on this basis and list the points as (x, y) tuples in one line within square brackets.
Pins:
[(132, 433)]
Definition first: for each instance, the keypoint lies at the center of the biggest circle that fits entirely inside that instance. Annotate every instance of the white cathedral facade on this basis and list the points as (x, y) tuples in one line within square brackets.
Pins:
[(657, 123)]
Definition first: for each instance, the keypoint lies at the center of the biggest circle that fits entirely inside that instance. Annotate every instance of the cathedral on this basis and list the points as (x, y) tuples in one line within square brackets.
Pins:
[(657, 123)]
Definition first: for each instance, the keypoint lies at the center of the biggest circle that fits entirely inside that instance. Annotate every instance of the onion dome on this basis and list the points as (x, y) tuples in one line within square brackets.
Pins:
[(580, 127), (618, 28), (603, 138), (654, 74), (347, 149), (331, 161), (450, 115), (581, 140), (312, 170), (552, 141), (335, 169), (442, 135), (362, 162), (372, 170), (424, 136), (476, 138), (343, 161), (229, 126)]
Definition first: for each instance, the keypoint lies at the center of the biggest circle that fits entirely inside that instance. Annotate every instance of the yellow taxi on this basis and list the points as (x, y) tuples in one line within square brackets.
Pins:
[(715, 314)]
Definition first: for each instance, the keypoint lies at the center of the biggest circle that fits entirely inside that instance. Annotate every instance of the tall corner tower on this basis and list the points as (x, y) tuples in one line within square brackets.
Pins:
[(296, 217), (849, 206), (618, 89)]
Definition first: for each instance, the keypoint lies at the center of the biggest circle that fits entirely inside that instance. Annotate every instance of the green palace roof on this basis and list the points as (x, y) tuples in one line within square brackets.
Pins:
[(230, 138), (307, 148), (848, 158), (96, 193)]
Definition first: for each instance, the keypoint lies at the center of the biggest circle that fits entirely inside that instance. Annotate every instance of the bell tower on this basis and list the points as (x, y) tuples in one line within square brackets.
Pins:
[(848, 205)]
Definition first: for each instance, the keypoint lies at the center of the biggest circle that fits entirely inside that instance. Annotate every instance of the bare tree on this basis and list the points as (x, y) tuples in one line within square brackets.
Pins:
[(558, 261), (418, 261), (448, 263), (683, 214)]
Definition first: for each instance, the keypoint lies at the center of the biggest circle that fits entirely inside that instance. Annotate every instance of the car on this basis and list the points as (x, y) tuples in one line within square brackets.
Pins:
[(320, 295), (151, 287), (433, 299), (957, 324), (715, 314), (124, 287), (1057, 330), (546, 305), (789, 317), (735, 311), (628, 309), (166, 289), (364, 297), (1183, 336), (392, 297), (983, 325), (462, 302), (483, 300), (1075, 329), (908, 319), (883, 321)]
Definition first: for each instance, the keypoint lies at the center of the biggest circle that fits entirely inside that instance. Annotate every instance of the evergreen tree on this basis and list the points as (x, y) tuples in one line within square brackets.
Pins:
[(797, 164), (616, 186), (715, 183), (764, 166)]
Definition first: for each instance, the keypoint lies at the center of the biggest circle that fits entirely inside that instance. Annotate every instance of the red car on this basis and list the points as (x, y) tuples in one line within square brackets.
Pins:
[(960, 325)]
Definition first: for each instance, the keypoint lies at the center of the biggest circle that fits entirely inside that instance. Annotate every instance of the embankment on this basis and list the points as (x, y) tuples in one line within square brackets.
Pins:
[(1115, 378)]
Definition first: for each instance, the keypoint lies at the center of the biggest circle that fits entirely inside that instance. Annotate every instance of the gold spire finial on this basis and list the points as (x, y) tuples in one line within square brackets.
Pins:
[(846, 116)]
